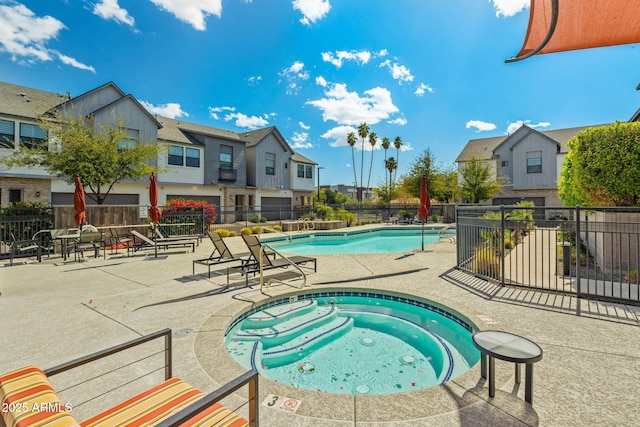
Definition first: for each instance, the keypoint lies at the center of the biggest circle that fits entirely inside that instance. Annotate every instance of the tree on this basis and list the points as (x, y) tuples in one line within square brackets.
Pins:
[(386, 143), (390, 164), (397, 143), (351, 140), (363, 132), (422, 165), (387, 192), (478, 182), (373, 138), (602, 167), (77, 149)]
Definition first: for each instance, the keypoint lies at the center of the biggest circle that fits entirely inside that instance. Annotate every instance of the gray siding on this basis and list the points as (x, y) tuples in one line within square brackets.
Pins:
[(212, 162), (282, 178), (547, 179)]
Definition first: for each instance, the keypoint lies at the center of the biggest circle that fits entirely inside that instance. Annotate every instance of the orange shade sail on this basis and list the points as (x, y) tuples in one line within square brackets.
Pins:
[(563, 25)]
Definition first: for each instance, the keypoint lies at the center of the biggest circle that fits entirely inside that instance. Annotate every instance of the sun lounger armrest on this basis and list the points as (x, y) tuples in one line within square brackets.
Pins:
[(249, 378)]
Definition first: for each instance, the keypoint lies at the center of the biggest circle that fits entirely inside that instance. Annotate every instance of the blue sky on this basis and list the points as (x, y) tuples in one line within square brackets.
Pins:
[(429, 71)]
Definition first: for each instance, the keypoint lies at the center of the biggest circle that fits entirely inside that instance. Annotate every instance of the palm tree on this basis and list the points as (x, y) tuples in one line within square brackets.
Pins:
[(373, 139), (351, 140), (397, 143), (363, 131), (386, 143), (391, 164)]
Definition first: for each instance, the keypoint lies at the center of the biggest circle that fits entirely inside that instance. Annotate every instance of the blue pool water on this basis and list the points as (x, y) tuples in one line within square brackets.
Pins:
[(351, 342), (374, 242)]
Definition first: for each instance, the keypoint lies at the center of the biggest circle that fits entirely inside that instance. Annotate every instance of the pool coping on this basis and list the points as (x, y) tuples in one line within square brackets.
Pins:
[(464, 390)]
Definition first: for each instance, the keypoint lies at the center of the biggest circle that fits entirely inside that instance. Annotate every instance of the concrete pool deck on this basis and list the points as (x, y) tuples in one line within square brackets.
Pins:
[(55, 311)]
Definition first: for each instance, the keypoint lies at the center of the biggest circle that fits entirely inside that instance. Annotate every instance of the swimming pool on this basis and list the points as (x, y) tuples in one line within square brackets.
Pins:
[(353, 342), (373, 241)]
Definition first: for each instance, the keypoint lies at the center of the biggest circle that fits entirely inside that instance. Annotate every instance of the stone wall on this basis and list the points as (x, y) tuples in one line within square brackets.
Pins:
[(33, 190)]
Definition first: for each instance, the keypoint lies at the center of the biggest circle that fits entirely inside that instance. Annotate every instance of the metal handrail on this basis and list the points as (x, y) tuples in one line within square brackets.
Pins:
[(296, 266)]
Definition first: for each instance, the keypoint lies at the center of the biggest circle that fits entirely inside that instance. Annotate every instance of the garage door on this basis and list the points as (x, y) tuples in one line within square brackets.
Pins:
[(274, 208)]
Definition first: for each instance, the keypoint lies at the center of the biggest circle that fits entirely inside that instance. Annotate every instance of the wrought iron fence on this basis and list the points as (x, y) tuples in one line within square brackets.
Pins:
[(18, 224), (587, 252)]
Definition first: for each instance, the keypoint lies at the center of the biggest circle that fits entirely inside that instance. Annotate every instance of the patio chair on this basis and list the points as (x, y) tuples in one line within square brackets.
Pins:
[(47, 239), (221, 254), (141, 242), (89, 240), (12, 247), (269, 263), (119, 240)]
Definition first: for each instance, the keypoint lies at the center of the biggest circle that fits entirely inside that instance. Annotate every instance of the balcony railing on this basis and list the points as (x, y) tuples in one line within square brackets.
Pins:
[(226, 174)]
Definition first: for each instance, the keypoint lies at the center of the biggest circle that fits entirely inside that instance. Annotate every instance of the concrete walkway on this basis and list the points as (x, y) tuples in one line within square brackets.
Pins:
[(55, 311)]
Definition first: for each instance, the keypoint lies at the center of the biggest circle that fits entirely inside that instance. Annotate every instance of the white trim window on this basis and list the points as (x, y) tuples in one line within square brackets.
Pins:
[(7, 134), (534, 162)]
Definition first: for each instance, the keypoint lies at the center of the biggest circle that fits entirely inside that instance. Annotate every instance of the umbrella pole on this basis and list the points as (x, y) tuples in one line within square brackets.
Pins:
[(423, 235)]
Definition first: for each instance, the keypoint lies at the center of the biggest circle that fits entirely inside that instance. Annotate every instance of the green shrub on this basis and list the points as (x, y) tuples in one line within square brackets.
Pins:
[(324, 212), (233, 234), (345, 215), (435, 218), (405, 214), (245, 231), (254, 219), (256, 229), (277, 228), (488, 262), (223, 232)]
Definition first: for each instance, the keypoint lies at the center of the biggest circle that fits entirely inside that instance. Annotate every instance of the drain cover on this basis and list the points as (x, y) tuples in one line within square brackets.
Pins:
[(181, 333)]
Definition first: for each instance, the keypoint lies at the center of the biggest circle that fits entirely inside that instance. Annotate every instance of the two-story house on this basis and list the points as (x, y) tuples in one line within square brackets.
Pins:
[(529, 161), (248, 169)]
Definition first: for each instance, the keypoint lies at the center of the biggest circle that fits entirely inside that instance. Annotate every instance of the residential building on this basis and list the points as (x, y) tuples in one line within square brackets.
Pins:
[(528, 160), (251, 169)]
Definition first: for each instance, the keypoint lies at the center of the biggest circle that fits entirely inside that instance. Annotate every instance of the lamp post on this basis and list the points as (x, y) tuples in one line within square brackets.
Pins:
[(319, 167)]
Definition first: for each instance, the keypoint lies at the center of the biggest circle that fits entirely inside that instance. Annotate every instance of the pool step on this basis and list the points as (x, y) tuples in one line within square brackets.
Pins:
[(275, 315), (298, 347), (283, 331)]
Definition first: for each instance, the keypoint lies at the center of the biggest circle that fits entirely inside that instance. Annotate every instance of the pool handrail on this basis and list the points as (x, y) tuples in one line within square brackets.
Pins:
[(261, 263)]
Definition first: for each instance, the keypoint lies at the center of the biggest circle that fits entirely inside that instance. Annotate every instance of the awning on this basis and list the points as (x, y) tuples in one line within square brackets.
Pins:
[(561, 25)]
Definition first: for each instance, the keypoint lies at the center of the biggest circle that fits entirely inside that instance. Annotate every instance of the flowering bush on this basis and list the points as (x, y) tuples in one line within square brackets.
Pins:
[(179, 211)]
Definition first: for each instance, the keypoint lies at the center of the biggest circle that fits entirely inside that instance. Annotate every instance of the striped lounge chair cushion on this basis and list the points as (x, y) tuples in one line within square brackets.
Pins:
[(216, 415), (149, 407), (28, 400)]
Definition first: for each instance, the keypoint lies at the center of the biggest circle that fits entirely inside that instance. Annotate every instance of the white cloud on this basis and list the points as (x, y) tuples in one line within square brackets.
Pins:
[(303, 126), (517, 124), (401, 121), (24, 36), (509, 8), (300, 140), (338, 135), (170, 110), (312, 10), (193, 12), (320, 81), (349, 108), (292, 75), (110, 9), (422, 88), (73, 62), (362, 57), (213, 111), (398, 72), (254, 80), (480, 125), (247, 122)]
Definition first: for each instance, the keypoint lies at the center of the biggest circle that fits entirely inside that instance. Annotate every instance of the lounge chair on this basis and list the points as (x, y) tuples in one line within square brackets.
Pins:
[(269, 263), (221, 254), (159, 235), (141, 242)]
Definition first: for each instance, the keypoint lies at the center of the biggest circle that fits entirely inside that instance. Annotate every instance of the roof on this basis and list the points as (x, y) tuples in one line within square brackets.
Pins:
[(296, 157), (27, 102), (136, 102), (181, 131), (482, 149), (558, 26), (255, 136)]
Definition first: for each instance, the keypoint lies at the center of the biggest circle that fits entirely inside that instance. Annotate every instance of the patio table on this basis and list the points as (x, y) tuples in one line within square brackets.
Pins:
[(511, 348)]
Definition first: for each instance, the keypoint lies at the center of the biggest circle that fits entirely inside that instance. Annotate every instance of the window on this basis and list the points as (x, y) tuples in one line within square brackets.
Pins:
[(300, 171), (534, 162), (192, 158), (15, 196), (175, 155), (226, 157), (270, 164), (309, 171), (505, 163), (129, 141), (32, 136), (7, 134)]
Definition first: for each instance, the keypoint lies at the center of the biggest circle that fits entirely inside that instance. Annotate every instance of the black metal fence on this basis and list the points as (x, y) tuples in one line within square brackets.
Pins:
[(587, 252), (20, 224)]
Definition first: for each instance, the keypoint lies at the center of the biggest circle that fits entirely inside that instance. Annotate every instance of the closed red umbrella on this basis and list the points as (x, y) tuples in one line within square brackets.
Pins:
[(154, 212), (425, 205), (79, 203)]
